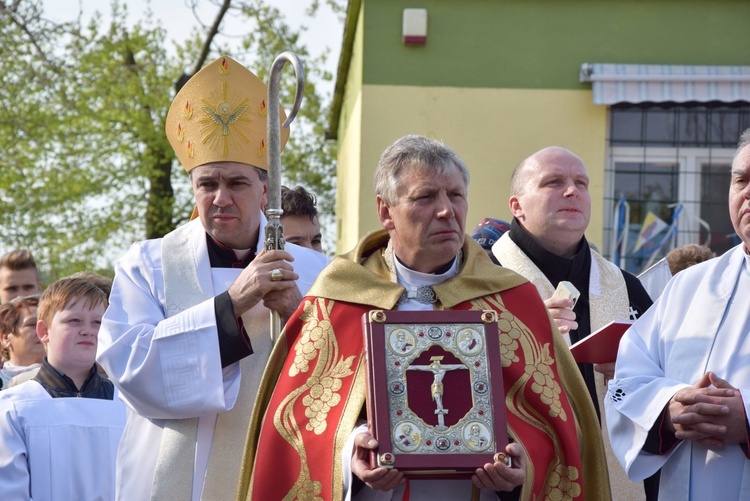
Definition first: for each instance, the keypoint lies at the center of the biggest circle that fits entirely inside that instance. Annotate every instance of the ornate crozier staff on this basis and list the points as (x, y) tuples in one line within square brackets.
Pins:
[(274, 230)]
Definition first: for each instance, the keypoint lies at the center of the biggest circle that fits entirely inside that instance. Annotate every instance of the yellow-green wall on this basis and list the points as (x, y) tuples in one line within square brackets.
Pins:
[(491, 129), (498, 79), (349, 174), (541, 43)]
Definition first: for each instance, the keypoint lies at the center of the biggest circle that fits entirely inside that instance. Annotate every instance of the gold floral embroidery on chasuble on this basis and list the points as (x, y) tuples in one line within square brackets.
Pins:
[(320, 368), (320, 391), (530, 366)]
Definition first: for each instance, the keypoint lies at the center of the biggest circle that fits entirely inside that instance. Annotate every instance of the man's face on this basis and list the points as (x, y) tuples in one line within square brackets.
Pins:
[(303, 231), (24, 345), (230, 196), (555, 203), (17, 283), (739, 195), (428, 219), (72, 336)]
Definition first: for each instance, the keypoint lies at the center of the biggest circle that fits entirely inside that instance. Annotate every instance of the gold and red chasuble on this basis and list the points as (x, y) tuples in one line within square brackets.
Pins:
[(320, 390)]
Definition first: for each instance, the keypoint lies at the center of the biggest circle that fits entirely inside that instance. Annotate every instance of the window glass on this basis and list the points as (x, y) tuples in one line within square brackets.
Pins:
[(647, 188), (627, 128), (691, 127), (660, 127), (670, 160), (714, 208)]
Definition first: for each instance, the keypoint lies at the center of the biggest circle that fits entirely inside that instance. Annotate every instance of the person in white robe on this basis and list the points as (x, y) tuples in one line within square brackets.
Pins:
[(679, 398), (187, 335), (54, 449), (59, 432)]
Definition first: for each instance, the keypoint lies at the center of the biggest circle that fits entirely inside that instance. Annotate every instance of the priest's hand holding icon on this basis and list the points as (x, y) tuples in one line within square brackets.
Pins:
[(381, 479), (498, 476)]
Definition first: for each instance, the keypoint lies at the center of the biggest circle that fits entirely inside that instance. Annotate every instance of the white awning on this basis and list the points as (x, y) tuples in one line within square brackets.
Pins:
[(638, 83)]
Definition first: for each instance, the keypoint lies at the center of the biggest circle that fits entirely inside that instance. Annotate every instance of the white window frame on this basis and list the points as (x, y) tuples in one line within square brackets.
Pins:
[(689, 161)]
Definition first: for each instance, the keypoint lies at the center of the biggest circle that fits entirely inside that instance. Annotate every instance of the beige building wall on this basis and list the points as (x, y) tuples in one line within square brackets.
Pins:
[(491, 129)]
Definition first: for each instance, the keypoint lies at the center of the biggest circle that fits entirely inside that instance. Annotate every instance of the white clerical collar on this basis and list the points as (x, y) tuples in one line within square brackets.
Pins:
[(410, 278), (241, 253)]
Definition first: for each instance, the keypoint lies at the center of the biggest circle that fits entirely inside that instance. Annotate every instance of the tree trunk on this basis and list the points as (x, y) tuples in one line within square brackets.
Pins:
[(160, 203)]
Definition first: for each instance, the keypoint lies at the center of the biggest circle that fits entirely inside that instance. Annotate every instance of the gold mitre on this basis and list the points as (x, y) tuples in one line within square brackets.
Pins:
[(220, 116)]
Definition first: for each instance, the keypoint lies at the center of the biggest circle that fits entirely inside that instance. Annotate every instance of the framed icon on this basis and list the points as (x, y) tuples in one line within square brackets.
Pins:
[(435, 395)]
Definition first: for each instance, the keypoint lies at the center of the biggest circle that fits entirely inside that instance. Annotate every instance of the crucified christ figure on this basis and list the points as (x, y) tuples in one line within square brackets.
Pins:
[(438, 370)]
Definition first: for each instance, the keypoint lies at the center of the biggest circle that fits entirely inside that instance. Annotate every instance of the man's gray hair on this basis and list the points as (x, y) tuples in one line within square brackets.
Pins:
[(744, 141), (414, 151)]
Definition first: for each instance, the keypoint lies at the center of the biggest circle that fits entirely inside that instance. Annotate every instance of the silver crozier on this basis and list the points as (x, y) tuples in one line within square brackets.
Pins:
[(274, 230)]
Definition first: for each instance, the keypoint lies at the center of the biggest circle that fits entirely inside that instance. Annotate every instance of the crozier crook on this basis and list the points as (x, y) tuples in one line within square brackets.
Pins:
[(274, 230)]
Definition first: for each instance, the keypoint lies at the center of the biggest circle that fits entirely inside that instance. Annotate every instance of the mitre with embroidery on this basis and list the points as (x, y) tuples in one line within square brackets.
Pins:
[(220, 116)]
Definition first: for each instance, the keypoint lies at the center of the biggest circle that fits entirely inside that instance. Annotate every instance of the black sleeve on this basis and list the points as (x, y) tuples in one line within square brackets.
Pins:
[(640, 301), (659, 441), (234, 345), (513, 495), (494, 259)]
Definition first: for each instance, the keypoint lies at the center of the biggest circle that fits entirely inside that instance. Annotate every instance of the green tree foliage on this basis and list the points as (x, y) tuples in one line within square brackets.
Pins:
[(85, 167)]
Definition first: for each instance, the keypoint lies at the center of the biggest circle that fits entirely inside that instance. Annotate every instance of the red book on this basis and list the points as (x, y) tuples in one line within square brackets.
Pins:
[(435, 395), (600, 347)]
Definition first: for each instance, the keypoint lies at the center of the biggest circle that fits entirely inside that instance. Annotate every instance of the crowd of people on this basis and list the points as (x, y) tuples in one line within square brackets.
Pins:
[(169, 381)]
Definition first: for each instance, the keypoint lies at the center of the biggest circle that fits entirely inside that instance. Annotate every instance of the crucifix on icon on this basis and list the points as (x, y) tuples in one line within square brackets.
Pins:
[(438, 370)]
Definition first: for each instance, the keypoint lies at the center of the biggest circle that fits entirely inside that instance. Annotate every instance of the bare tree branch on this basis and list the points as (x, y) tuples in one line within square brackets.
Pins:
[(212, 32)]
